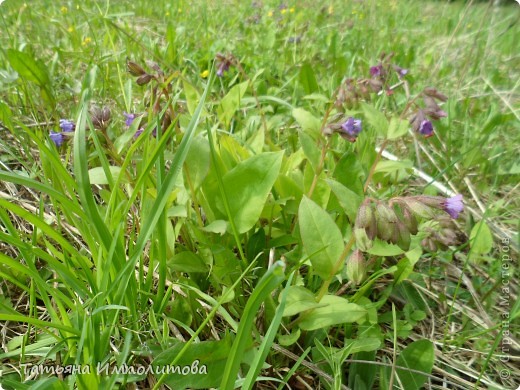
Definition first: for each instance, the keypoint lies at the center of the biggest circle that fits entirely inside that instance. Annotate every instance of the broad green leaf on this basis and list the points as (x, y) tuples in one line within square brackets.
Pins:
[(98, 175), (289, 339), (308, 79), (406, 264), (386, 166), (32, 70), (211, 357), (187, 262), (299, 299), (397, 128), (382, 248), (348, 199), (349, 172), (481, 239), (334, 310), (231, 102), (192, 96), (197, 162), (419, 356), (310, 149), (308, 122), (247, 187), (361, 376), (219, 226), (376, 119), (321, 237)]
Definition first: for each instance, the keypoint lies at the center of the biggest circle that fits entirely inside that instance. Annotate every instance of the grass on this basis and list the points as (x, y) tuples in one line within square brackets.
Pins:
[(219, 243)]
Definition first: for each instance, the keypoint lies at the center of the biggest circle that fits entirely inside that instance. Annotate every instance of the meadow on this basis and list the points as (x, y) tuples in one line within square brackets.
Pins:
[(259, 194)]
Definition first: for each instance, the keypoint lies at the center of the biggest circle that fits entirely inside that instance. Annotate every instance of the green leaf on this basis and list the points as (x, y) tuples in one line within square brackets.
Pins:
[(386, 166), (308, 79), (32, 70), (308, 122), (98, 175), (187, 262), (376, 119), (219, 226), (197, 161), (211, 357), (420, 356), (192, 96), (397, 128), (299, 299), (334, 310), (382, 248), (289, 339), (321, 237), (348, 199), (231, 102), (310, 149), (247, 187), (481, 239)]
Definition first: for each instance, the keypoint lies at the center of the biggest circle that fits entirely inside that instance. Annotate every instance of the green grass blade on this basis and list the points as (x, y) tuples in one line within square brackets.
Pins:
[(271, 280), (268, 340)]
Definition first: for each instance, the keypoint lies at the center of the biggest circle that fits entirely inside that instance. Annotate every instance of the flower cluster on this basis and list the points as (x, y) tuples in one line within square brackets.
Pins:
[(397, 220), (421, 120), (354, 90), (223, 62), (100, 117)]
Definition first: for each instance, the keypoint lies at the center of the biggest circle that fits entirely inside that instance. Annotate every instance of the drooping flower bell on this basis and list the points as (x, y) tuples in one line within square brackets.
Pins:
[(453, 206), (57, 138), (351, 129)]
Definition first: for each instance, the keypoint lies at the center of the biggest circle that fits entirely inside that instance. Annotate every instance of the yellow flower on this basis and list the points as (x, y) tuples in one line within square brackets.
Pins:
[(270, 14), (63, 10), (204, 74), (331, 10), (167, 13), (86, 41), (291, 10), (284, 11), (70, 29)]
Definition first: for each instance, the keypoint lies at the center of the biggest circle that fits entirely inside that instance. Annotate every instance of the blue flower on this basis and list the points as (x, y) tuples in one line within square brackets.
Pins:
[(223, 67), (351, 128), (376, 70), (138, 132), (57, 138), (129, 119), (66, 126), (453, 206), (426, 128)]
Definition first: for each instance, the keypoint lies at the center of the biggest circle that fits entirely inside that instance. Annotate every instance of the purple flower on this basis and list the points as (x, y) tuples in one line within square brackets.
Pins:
[(66, 126), (57, 138), (453, 206), (352, 127), (138, 132), (376, 70), (223, 67), (426, 128), (129, 119), (401, 72)]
